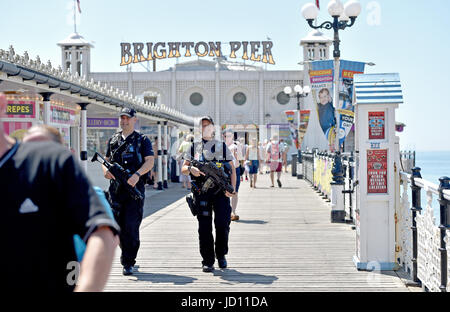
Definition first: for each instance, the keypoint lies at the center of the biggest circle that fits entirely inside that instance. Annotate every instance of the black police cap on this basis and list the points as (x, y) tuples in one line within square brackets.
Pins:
[(126, 111), (207, 118)]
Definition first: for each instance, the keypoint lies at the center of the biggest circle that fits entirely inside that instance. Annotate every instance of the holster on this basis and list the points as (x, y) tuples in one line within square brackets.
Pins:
[(198, 205)]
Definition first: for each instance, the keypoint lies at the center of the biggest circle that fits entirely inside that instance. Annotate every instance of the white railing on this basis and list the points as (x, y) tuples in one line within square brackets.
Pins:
[(429, 263)]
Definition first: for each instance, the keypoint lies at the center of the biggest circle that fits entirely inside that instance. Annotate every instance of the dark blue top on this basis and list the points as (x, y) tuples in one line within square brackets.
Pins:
[(326, 116)]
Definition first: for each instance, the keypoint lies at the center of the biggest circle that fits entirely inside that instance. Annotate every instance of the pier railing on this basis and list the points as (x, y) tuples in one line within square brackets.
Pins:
[(421, 242), (317, 170)]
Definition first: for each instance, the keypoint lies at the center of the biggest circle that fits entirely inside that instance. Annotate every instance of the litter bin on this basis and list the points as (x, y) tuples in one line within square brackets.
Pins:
[(300, 161), (294, 164)]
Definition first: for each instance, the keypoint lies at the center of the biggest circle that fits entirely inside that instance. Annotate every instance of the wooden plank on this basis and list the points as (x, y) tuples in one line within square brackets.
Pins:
[(283, 242)]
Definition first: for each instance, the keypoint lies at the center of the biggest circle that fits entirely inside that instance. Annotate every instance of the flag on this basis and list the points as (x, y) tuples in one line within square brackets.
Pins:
[(79, 9), (317, 4)]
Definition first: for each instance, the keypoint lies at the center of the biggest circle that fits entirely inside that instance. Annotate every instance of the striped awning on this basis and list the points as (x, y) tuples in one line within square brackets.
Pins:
[(377, 89)]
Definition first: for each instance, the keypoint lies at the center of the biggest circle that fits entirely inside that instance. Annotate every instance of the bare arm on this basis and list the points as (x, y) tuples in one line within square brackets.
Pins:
[(97, 261), (233, 179), (194, 170), (146, 167)]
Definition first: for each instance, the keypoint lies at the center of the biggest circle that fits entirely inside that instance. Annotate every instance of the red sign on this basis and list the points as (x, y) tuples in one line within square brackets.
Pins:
[(377, 124), (62, 115), (377, 171)]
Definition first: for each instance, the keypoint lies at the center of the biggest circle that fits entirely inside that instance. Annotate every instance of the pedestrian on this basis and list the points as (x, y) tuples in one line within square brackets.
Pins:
[(284, 151), (209, 149), (46, 200), (253, 158), (43, 133), (228, 136), (274, 159), (133, 151), (155, 165), (241, 155), (261, 156), (185, 147)]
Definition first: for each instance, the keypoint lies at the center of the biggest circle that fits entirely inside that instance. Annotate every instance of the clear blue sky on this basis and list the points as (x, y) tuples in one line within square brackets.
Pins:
[(409, 37)]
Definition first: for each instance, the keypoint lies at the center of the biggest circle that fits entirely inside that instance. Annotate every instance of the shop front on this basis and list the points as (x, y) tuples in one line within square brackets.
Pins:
[(99, 131)]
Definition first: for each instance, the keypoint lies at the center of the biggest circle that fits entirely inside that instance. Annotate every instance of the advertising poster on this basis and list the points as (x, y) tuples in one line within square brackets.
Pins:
[(321, 77), (292, 119), (377, 171), (376, 126), (62, 115), (347, 70), (303, 126), (346, 122), (322, 85)]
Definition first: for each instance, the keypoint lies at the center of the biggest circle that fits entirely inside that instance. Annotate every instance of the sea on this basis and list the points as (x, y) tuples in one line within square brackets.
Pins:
[(434, 165)]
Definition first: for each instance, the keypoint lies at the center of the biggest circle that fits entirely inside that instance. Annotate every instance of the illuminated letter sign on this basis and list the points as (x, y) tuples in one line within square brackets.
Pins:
[(139, 52)]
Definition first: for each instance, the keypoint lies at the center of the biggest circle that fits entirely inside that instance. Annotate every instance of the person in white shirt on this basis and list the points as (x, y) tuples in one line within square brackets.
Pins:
[(234, 149), (252, 156)]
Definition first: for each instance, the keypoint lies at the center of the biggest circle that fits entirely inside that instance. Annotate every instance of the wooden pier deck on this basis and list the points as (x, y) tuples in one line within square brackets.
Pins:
[(284, 242)]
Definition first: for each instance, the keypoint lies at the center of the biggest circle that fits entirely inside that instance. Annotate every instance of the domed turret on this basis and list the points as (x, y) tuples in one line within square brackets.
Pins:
[(316, 46), (76, 54)]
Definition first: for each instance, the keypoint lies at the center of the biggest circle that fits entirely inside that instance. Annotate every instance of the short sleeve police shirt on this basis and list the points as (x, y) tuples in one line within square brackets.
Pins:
[(146, 145), (145, 150), (211, 150), (46, 200)]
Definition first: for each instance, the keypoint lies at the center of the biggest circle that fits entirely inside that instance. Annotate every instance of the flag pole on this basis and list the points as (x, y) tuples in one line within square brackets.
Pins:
[(74, 16)]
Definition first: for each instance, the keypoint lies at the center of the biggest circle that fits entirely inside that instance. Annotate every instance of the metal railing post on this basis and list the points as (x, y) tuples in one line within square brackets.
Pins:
[(443, 185), (415, 208)]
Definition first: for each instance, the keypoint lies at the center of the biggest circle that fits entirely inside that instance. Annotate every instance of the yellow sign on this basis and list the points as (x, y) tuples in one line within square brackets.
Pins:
[(138, 52)]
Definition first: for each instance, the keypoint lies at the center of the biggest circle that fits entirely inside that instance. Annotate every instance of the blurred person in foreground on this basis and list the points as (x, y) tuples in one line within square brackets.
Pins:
[(46, 200)]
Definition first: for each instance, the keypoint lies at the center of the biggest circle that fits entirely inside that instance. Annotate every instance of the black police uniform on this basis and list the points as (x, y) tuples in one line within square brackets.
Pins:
[(218, 203), (130, 154), (46, 199)]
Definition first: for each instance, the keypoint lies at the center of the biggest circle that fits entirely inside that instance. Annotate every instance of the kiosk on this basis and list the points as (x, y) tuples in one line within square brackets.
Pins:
[(377, 96)]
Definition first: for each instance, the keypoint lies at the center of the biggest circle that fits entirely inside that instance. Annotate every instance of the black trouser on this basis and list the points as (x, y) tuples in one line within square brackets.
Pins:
[(220, 205), (128, 214)]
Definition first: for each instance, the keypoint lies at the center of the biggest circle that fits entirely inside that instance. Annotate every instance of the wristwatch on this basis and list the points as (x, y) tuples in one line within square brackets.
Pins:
[(138, 174), (189, 168)]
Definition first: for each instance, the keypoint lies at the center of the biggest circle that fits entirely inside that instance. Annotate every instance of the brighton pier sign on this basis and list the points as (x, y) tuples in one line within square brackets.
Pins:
[(257, 51)]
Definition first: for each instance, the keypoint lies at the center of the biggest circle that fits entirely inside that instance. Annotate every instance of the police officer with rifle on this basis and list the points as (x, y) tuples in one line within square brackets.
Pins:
[(129, 156), (210, 165)]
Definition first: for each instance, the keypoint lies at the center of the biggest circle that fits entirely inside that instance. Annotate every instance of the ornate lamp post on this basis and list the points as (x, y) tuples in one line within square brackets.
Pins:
[(343, 17)]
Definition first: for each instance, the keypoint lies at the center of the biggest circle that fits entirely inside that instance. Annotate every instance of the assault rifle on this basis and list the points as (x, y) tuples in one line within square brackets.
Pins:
[(120, 174), (214, 176)]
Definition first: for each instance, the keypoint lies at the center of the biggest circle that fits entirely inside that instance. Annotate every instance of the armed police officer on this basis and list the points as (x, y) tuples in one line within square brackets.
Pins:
[(214, 199), (133, 151)]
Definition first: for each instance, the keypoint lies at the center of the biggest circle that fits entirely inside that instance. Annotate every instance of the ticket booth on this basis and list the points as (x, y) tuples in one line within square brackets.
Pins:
[(377, 96)]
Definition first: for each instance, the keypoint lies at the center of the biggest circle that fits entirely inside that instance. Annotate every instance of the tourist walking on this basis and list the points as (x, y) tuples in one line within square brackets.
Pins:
[(274, 159), (253, 158)]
